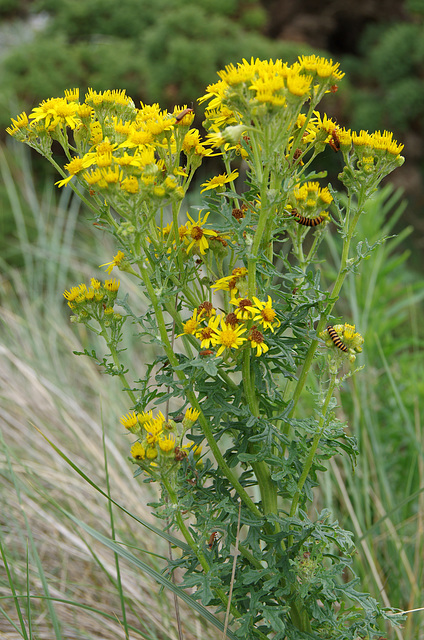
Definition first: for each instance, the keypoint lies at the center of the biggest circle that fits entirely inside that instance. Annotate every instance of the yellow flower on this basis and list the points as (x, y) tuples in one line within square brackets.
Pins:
[(92, 177), (191, 140), (151, 453), (219, 181), (267, 317), (72, 95), (361, 139), (215, 93), (85, 112), (96, 284), (196, 235), (75, 166), (384, 142), (228, 283), (299, 85), (75, 293), (109, 97), (322, 67), (229, 337), (323, 122), (130, 421), (154, 428), (130, 185), (138, 452), (144, 417), (56, 111), (167, 443), (115, 262), (325, 196), (90, 294), (257, 341), (191, 325), (245, 309), (20, 122), (205, 334), (112, 285), (112, 175), (236, 75), (104, 159), (190, 417)]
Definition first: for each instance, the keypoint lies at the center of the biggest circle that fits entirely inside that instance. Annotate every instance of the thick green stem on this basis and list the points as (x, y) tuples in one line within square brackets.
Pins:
[(261, 469)]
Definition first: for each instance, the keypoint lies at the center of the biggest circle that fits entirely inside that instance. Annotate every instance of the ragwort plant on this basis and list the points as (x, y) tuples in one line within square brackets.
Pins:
[(239, 318)]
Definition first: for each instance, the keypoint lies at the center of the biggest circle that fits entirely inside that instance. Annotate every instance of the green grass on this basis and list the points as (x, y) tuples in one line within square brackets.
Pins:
[(382, 499)]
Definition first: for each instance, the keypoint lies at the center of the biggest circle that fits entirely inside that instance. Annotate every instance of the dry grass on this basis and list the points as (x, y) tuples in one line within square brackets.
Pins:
[(68, 406), (45, 388)]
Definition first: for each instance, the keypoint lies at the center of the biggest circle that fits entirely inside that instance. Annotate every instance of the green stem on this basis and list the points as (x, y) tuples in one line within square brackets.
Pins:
[(267, 488), (309, 460), (117, 363), (191, 396), (324, 315), (192, 544)]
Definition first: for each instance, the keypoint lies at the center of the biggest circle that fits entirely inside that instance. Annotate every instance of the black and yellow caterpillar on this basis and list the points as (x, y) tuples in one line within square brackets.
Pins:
[(307, 222), (335, 338)]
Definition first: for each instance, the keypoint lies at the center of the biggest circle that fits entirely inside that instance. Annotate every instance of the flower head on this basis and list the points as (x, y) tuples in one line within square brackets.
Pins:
[(167, 443), (138, 452), (56, 111), (130, 422), (116, 262), (190, 417), (219, 181), (244, 308), (237, 280), (196, 234), (228, 337), (257, 341), (191, 325), (265, 314)]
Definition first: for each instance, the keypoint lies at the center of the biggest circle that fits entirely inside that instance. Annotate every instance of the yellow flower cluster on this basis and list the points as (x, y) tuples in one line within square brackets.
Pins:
[(309, 199), (95, 301), (264, 99), (118, 150), (339, 138), (275, 84), (160, 440), (342, 338), (226, 332)]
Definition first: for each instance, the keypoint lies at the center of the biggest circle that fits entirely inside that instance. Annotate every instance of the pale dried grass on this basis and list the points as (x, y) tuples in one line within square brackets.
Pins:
[(44, 386)]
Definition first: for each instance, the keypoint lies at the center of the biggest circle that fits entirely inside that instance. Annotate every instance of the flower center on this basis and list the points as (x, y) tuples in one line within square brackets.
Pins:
[(268, 315), (196, 233), (228, 337)]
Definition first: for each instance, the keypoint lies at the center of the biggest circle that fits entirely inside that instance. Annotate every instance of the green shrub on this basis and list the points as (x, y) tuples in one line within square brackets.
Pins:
[(390, 71), (165, 51)]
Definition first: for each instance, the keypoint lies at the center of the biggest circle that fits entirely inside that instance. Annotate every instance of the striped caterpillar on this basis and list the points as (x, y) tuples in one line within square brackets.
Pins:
[(307, 222), (335, 338)]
